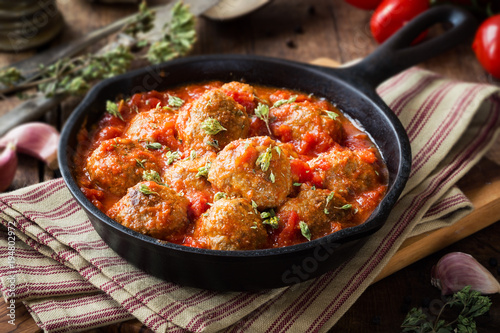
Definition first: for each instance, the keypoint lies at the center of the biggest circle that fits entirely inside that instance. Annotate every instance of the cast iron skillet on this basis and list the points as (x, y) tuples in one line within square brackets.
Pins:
[(352, 89)]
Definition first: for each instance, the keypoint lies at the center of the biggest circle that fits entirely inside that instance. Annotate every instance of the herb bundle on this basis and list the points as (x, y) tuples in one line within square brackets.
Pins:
[(74, 76), (470, 303)]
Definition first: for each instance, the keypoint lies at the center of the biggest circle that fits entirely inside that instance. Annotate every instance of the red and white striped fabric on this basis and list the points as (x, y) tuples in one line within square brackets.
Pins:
[(70, 280)]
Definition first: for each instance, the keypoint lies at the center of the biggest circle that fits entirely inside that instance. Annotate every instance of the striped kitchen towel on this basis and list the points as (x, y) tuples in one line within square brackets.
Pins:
[(70, 280)]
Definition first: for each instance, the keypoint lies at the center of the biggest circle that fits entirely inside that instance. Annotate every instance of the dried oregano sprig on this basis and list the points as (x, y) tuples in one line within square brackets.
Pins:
[(74, 76)]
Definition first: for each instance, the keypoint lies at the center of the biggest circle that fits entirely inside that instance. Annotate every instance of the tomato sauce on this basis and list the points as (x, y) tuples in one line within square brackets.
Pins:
[(138, 139)]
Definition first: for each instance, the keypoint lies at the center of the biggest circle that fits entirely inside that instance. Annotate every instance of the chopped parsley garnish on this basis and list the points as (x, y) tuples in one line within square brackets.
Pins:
[(175, 102), (297, 184), (270, 218), (214, 143), (220, 195), (112, 109), (332, 114), (304, 230), (344, 207), (264, 159), (153, 145), (285, 101), (272, 177), (172, 156), (153, 176), (144, 189), (212, 126), (140, 163), (203, 171)]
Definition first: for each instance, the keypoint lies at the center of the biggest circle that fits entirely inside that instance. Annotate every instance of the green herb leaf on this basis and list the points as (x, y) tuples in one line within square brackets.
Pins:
[(204, 170), (332, 114), (152, 175), (192, 155), (154, 145), (285, 101), (328, 199), (304, 230), (264, 159), (269, 218), (344, 207), (144, 189), (112, 109), (175, 102), (272, 178), (262, 112), (220, 195), (214, 143), (212, 126), (255, 206), (297, 184), (172, 157), (10, 76), (140, 163)]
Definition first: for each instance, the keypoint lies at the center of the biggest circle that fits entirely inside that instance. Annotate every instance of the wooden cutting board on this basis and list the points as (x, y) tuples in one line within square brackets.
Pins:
[(481, 185)]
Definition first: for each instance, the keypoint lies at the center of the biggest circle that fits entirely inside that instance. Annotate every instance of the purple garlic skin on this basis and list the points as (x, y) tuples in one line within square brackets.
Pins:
[(35, 139), (457, 270), (8, 166)]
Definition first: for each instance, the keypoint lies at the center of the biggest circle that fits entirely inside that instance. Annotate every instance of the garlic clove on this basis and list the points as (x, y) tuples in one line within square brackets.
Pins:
[(35, 139), (457, 270), (8, 165)]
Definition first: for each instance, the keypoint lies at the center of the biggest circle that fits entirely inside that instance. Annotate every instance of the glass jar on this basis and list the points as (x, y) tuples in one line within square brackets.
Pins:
[(27, 24)]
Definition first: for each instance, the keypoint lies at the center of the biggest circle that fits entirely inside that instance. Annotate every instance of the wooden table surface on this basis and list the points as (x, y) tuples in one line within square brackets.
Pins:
[(301, 31)]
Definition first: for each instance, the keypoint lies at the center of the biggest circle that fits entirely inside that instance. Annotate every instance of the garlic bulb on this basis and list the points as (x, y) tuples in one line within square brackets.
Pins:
[(457, 270), (35, 139), (8, 165)]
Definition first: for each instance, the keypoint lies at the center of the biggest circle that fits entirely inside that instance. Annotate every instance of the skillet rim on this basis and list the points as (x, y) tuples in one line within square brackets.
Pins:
[(374, 222)]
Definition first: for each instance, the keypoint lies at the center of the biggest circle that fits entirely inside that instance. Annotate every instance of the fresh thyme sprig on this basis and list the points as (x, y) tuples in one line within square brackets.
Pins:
[(471, 305), (74, 76)]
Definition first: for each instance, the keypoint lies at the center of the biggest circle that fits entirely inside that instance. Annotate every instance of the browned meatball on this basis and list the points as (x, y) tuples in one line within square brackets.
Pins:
[(242, 93), (256, 169), (188, 175), (154, 210), (308, 126), (212, 121), (153, 126), (230, 224), (118, 164), (346, 171), (321, 210)]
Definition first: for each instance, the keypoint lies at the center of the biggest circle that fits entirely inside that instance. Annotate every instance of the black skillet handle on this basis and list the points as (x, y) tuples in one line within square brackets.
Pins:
[(397, 53)]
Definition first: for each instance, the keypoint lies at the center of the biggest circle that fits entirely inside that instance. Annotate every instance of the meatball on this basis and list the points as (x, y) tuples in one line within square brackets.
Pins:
[(187, 175), (153, 126), (154, 210), (308, 126), (346, 171), (256, 169), (212, 121), (242, 93), (230, 224), (118, 164), (322, 210)]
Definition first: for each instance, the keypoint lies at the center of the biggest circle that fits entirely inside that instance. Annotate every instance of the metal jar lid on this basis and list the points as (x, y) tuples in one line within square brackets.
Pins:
[(27, 24)]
